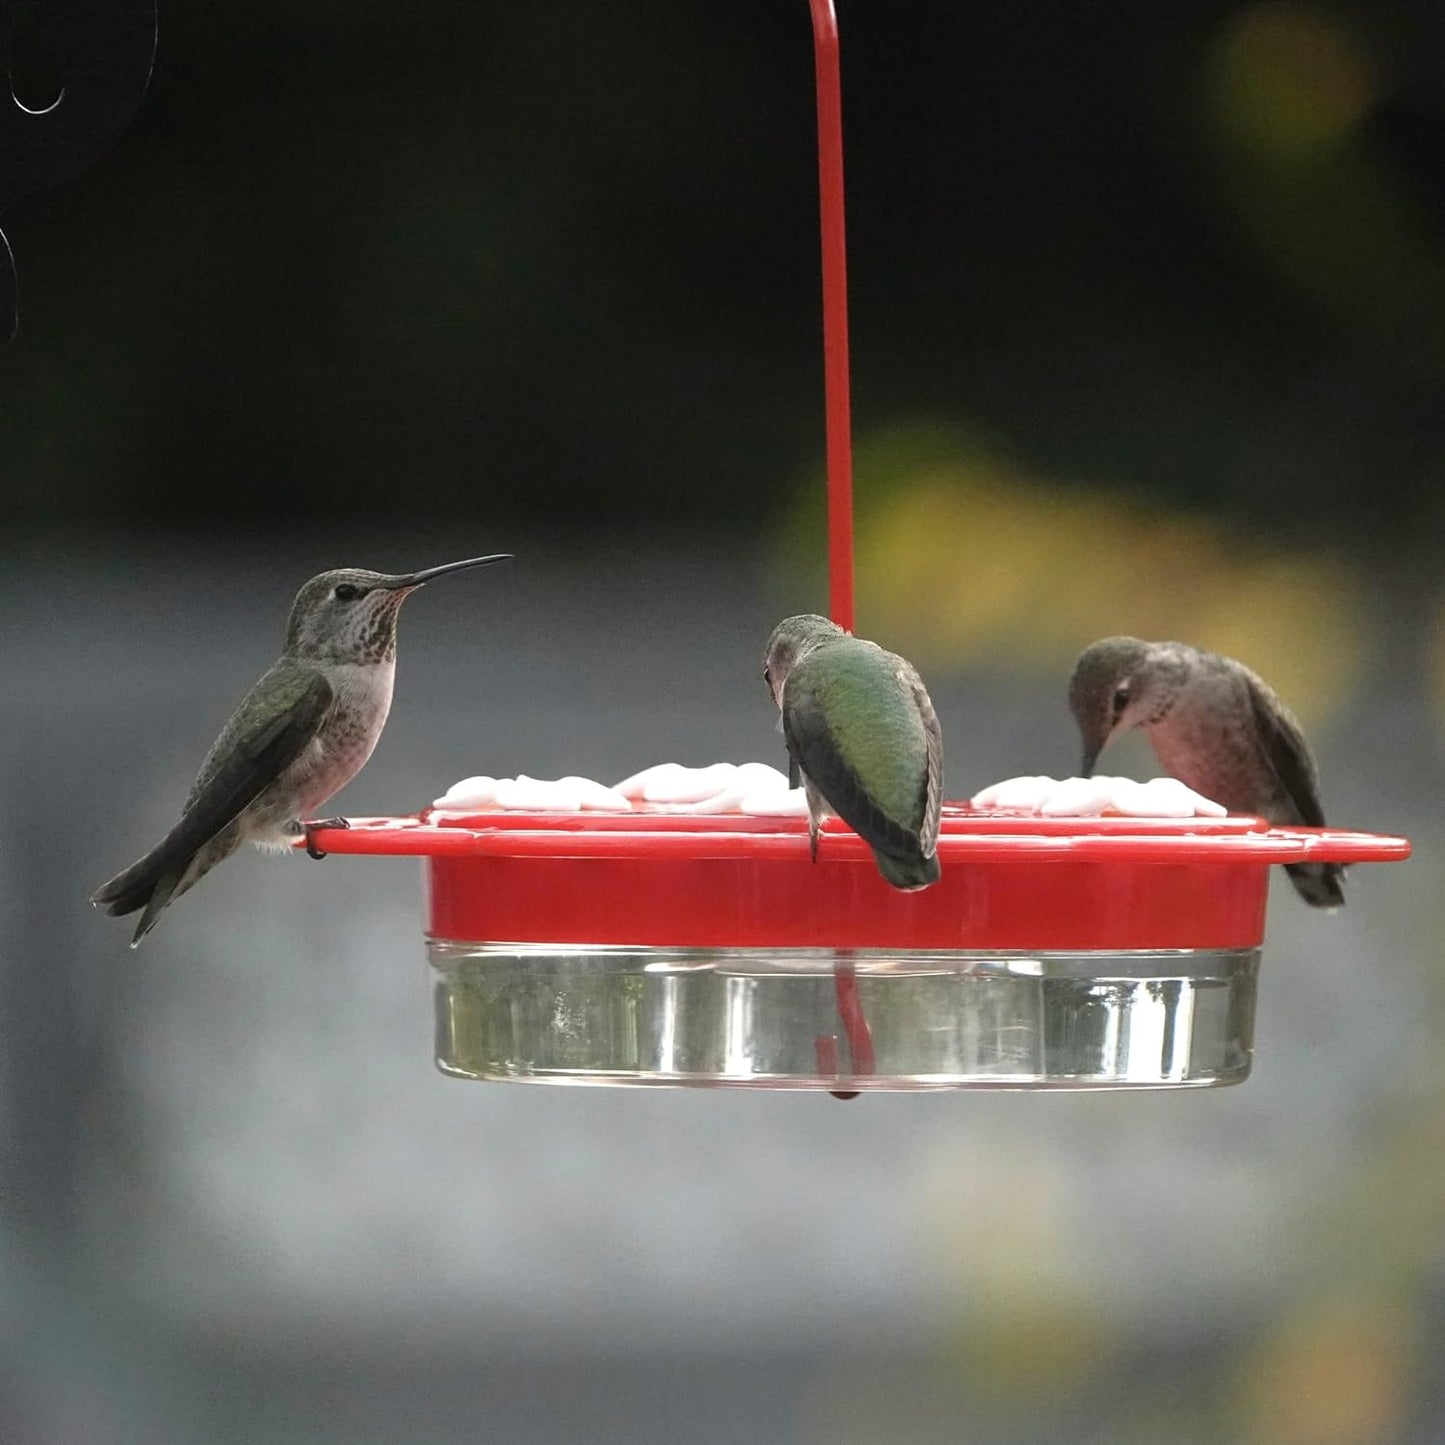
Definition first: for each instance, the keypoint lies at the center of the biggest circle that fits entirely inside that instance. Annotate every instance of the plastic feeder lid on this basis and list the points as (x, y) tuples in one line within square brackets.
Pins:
[(1009, 881)]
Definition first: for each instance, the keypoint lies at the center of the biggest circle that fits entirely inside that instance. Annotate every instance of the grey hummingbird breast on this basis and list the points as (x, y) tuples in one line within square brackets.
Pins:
[(1206, 744), (346, 739)]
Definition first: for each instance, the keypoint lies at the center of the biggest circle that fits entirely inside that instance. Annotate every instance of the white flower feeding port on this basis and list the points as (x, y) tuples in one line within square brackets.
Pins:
[(675, 930)]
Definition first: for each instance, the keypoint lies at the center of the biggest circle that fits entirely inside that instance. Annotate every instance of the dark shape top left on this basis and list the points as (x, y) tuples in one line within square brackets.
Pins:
[(101, 53)]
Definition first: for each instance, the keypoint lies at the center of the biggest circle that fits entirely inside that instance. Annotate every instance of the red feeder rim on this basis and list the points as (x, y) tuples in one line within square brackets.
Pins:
[(723, 881)]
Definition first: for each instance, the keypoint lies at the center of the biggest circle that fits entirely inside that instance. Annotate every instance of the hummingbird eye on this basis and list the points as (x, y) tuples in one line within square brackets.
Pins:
[(1121, 700), (346, 592)]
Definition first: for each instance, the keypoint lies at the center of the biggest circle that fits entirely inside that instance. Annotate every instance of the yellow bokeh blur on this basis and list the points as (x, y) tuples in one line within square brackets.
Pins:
[(1335, 1373), (1290, 77), (965, 560), (1018, 1321)]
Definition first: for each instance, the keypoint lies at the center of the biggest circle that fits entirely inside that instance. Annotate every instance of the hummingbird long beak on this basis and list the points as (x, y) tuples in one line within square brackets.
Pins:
[(418, 579), (1091, 757)]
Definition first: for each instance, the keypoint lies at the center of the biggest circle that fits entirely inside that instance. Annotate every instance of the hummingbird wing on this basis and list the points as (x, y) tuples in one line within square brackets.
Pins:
[(277, 719), (825, 695), (1287, 752), (933, 784)]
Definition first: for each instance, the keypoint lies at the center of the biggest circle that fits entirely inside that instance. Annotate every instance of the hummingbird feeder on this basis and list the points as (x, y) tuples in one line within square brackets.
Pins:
[(654, 947)]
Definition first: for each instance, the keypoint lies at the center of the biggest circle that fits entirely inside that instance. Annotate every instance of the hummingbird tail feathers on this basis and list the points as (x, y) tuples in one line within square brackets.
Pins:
[(908, 873), (150, 883), (132, 888), (158, 879), (161, 895), (1318, 883)]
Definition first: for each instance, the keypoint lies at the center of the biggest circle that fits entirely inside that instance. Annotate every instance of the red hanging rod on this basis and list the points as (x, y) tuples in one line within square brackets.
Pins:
[(836, 411), (835, 314)]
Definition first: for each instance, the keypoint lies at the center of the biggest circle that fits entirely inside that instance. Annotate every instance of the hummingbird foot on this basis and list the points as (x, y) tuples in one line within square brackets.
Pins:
[(309, 828)]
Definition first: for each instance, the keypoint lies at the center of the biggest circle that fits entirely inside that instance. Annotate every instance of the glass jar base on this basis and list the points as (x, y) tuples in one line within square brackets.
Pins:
[(844, 1019)]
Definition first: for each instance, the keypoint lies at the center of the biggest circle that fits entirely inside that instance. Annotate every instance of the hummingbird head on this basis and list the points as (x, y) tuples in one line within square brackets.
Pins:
[(349, 615), (1121, 683), (793, 638), (1109, 692)]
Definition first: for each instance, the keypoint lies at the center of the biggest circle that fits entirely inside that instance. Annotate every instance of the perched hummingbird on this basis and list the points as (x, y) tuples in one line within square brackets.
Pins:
[(1214, 725), (864, 739), (301, 734)]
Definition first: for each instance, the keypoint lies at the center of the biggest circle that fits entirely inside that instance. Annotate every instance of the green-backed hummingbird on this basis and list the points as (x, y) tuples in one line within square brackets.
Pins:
[(864, 740), (1216, 726), (301, 734)]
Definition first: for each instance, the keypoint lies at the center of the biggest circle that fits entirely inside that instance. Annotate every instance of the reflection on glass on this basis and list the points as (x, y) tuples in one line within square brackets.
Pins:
[(659, 1016)]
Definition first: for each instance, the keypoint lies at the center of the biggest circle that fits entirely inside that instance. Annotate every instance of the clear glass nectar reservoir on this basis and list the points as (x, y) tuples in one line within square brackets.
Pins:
[(611, 1015)]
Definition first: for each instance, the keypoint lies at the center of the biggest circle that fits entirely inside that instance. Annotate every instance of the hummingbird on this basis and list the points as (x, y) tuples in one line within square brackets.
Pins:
[(301, 734), (1213, 724), (864, 741)]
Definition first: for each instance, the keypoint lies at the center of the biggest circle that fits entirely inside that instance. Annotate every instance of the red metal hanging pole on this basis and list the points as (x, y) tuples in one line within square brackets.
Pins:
[(835, 314), (839, 425)]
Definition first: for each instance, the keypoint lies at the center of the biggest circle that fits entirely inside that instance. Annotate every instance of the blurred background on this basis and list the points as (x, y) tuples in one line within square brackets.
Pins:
[(1148, 336)]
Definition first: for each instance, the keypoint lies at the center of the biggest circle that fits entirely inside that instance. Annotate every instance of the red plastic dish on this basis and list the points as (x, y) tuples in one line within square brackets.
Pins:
[(723, 881)]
